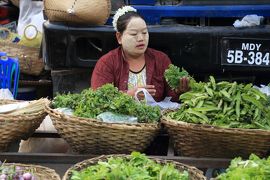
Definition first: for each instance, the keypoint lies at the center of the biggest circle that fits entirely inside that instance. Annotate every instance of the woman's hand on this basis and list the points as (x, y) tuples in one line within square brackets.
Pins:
[(150, 88), (184, 85)]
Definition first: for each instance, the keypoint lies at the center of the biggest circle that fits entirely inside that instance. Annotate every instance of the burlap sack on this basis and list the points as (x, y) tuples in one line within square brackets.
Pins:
[(92, 12)]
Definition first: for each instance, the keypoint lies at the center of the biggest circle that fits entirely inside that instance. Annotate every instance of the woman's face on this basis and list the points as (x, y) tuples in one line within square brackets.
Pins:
[(134, 39)]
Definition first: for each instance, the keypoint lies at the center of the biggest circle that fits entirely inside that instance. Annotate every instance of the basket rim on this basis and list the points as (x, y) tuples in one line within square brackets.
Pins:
[(25, 117), (169, 121), (95, 122), (30, 116), (86, 162), (51, 171)]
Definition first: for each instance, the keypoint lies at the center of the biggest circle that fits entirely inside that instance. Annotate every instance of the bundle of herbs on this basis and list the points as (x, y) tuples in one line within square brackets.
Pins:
[(90, 103), (173, 75), (253, 168), (224, 104), (136, 167)]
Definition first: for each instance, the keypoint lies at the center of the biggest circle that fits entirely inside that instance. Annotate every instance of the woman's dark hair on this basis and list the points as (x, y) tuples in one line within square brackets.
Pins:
[(123, 20)]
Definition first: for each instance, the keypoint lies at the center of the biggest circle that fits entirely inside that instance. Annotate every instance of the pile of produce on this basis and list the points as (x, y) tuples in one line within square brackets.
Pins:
[(224, 104), (253, 168), (12, 172), (90, 103), (137, 167)]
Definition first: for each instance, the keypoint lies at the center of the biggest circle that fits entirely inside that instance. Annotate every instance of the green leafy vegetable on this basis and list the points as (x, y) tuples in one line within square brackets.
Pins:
[(173, 74), (253, 168), (66, 100), (137, 167), (224, 104), (107, 98)]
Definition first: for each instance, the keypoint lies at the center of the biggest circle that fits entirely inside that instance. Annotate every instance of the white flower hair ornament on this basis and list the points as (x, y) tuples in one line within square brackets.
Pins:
[(121, 12)]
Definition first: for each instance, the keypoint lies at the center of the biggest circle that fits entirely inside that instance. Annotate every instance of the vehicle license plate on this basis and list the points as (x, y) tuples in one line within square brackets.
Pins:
[(245, 52)]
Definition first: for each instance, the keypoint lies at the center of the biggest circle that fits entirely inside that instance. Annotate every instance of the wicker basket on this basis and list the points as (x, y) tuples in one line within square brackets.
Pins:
[(92, 136), (194, 173), (209, 141), (16, 127), (29, 60), (95, 12), (40, 172)]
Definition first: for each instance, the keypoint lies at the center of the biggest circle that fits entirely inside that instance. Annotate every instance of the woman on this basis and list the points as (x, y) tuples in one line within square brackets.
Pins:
[(133, 65)]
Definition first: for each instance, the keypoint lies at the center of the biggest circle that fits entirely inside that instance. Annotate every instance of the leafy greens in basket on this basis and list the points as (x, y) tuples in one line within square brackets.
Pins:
[(137, 167), (90, 103), (253, 168), (224, 104)]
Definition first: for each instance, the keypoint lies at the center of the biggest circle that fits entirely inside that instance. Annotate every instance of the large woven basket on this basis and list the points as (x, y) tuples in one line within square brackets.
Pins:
[(194, 173), (209, 141), (29, 60), (94, 12), (40, 172), (16, 127), (92, 136)]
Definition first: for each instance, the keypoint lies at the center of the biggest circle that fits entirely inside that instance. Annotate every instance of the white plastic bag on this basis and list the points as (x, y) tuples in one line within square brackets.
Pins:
[(111, 117), (6, 94), (31, 12), (66, 111), (248, 21), (165, 104)]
